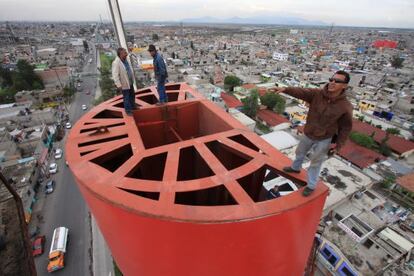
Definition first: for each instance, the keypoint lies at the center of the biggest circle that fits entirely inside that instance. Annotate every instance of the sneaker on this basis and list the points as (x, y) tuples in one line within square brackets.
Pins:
[(135, 108), (129, 114), (307, 192), (290, 170)]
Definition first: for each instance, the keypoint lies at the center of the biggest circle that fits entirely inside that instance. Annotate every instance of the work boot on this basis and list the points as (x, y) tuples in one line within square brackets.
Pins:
[(307, 192), (290, 170)]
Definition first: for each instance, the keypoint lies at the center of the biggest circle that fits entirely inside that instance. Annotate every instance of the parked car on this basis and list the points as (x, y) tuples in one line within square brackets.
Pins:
[(84, 107), (68, 125), (38, 245), (88, 92), (58, 153), (53, 168), (50, 186)]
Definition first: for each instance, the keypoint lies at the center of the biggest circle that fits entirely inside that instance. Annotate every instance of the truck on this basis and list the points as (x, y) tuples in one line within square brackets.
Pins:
[(58, 249)]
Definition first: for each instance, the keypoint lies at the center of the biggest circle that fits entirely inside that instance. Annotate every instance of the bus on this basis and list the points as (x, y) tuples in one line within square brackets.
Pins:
[(58, 249)]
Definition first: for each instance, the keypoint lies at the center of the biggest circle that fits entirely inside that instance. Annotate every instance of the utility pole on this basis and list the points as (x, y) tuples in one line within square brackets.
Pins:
[(120, 31), (23, 226)]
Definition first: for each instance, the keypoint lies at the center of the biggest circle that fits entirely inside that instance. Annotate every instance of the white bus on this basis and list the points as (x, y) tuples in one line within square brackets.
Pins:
[(58, 249)]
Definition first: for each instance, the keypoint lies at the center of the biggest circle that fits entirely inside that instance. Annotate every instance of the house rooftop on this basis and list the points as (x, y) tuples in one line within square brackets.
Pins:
[(271, 118)]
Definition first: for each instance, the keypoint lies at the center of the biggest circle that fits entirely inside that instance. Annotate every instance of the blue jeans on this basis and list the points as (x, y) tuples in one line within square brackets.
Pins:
[(320, 150), (161, 90), (129, 99)]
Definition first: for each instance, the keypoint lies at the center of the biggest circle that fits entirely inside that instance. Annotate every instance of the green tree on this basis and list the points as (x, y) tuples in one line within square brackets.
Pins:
[(25, 71), (155, 37), (363, 140), (68, 92), (107, 85), (393, 130), (397, 62), (192, 45), (388, 181), (251, 104), (231, 81), (6, 79), (383, 147), (274, 102)]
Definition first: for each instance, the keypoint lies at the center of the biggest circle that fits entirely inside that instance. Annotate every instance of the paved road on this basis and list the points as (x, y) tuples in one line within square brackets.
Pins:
[(65, 206)]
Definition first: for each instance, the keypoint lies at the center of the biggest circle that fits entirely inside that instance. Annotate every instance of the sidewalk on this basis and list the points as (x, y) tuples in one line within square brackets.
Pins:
[(101, 256)]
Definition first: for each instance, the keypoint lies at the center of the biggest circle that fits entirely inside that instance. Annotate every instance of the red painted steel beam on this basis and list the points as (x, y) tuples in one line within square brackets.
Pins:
[(178, 190)]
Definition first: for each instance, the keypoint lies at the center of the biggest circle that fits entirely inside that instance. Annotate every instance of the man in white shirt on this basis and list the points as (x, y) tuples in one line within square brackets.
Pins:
[(124, 80)]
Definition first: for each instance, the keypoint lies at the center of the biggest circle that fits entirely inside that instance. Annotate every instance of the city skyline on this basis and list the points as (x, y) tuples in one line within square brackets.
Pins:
[(385, 13)]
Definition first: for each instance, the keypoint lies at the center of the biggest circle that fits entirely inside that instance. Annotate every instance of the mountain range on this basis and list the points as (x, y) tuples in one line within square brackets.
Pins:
[(259, 20)]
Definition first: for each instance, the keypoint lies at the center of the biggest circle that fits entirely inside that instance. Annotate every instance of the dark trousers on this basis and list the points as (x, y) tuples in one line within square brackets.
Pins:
[(129, 99)]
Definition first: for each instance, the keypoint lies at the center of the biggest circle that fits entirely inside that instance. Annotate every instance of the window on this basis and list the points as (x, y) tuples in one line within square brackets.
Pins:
[(329, 255), (345, 270), (338, 216)]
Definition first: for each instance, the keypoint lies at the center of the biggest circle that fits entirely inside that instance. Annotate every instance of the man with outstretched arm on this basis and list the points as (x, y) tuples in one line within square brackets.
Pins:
[(330, 114)]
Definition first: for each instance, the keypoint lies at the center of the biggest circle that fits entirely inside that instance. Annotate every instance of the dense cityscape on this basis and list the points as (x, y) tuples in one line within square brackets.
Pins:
[(52, 74)]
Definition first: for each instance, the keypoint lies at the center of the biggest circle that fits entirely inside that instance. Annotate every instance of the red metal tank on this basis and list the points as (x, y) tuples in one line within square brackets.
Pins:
[(179, 189)]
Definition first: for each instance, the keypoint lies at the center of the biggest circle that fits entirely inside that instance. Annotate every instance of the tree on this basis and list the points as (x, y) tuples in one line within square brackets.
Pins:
[(231, 81), (383, 147), (5, 77), (274, 102), (393, 130), (251, 104), (155, 37), (192, 45), (68, 92), (388, 181), (363, 140), (397, 62)]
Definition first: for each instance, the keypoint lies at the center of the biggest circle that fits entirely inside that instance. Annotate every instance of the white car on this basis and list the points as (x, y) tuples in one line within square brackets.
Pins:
[(58, 153), (68, 125), (84, 107), (53, 168)]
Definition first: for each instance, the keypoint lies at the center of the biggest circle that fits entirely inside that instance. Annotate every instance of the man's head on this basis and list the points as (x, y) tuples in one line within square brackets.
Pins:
[(122, 53), (338, 83), (152, 50)]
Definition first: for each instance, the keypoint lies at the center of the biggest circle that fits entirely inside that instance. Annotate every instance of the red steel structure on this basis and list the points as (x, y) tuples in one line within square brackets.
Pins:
[(178, 189)]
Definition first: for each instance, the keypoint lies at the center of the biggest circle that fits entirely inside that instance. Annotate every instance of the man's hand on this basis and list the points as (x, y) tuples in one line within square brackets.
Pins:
[(277, 89)]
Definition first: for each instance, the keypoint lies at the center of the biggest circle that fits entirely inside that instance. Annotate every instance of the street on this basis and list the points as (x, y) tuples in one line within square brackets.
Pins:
[(66, 206)]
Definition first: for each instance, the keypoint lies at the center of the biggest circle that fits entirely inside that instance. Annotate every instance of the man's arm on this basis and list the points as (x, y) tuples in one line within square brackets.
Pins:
[(115, 75), (344, 128), (305, 94)]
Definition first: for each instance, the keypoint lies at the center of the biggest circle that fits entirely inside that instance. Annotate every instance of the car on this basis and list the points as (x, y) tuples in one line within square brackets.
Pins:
[(84, 107), (38, 245), (68, 125), (58, 153), (50, 187), (53, 168), (88, 92)]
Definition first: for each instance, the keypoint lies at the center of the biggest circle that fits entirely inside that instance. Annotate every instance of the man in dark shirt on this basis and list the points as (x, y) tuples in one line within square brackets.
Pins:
[(330, 114), (161, 74)]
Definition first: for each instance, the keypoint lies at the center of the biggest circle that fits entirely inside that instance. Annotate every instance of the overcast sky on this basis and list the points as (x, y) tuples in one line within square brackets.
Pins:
[(373, 13)]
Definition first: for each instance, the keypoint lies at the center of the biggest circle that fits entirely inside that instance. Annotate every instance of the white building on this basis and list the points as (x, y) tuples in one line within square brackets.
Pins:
[(280, 56)]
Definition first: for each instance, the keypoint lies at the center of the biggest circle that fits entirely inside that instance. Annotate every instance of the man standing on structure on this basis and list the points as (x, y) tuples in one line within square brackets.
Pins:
[(330, 114), (124, 80), (161, 74)]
